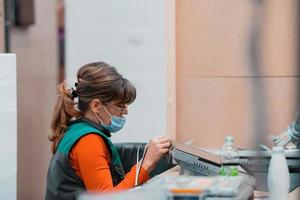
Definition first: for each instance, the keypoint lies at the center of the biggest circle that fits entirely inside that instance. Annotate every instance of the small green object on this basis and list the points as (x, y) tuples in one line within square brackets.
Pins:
[(223, 171), (234, 171)]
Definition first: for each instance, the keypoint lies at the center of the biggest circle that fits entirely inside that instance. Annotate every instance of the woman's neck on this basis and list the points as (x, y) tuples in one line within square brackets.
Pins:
[(91, 116)]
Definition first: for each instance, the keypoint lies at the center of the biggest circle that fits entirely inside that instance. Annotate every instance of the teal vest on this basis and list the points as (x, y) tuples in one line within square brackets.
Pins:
[(62, 181)]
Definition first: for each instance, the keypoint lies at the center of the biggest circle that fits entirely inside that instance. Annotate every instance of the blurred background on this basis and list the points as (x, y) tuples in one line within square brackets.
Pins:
[(203, 69)]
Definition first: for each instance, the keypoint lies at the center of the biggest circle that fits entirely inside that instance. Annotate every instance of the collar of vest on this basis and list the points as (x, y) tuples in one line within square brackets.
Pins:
[(95, 125), (80, 128)]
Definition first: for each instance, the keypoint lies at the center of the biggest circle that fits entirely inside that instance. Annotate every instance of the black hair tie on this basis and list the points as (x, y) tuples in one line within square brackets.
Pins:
[(76, 84), (73, 94)]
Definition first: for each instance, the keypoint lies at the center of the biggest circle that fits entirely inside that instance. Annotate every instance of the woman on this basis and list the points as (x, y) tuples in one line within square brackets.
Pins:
[(84, 156)]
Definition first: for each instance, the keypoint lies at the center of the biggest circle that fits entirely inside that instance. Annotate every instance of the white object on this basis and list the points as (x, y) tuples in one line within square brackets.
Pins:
[(228, 152), (8, 128), (139, 165), (278, 175)]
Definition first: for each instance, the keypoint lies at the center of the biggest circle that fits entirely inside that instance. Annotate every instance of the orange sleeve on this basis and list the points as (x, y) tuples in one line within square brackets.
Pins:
[(90, 159)]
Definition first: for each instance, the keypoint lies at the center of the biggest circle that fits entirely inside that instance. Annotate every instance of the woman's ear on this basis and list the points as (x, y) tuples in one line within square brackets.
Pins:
[(96, 105)]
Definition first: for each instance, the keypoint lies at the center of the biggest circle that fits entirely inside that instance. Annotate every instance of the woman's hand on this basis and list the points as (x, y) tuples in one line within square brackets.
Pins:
[(157, 147)]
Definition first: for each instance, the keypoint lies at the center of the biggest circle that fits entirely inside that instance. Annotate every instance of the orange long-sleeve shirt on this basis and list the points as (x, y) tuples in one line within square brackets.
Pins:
[(90, 159)]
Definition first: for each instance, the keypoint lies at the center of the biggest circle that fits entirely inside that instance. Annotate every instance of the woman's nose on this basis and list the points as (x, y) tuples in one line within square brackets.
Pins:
[(125, 112)]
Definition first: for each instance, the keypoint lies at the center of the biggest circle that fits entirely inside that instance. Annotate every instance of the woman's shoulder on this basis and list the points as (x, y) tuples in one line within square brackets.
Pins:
[(91, 142), (92, 138)]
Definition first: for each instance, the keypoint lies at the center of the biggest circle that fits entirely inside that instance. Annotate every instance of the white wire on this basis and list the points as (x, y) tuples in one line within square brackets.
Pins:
[(139, 165)]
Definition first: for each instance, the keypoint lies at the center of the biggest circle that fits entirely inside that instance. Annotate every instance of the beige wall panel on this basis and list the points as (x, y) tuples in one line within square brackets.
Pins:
[(171, 67), (280, 37), (212, 37), (211, 108), (36, 50)]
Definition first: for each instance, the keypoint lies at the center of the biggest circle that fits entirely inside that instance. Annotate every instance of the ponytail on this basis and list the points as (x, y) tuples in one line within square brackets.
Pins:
[(64, 111)]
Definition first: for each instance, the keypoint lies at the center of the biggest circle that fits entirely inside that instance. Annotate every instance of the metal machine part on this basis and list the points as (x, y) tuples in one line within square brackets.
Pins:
[(251, 164), (257, 162), (290, 137)]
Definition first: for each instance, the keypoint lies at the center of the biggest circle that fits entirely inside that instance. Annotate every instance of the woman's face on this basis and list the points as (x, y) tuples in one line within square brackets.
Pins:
[(105, 111), (112, 109)]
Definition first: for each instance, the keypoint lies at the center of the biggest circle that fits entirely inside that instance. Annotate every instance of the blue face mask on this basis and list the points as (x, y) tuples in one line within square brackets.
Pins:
[(116, 124)]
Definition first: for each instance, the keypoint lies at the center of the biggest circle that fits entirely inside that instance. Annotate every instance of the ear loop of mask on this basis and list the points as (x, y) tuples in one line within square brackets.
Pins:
[(100, 118), (107, 111)]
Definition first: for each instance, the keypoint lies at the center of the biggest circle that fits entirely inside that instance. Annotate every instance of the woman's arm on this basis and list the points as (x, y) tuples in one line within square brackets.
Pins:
[(90, 159)]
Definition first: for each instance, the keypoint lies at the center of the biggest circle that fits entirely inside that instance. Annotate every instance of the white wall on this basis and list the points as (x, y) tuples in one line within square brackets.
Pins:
[(129, 35), (8, 127)]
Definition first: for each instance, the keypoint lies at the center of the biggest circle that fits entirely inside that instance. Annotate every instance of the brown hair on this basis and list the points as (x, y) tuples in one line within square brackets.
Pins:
[(94, 81)]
